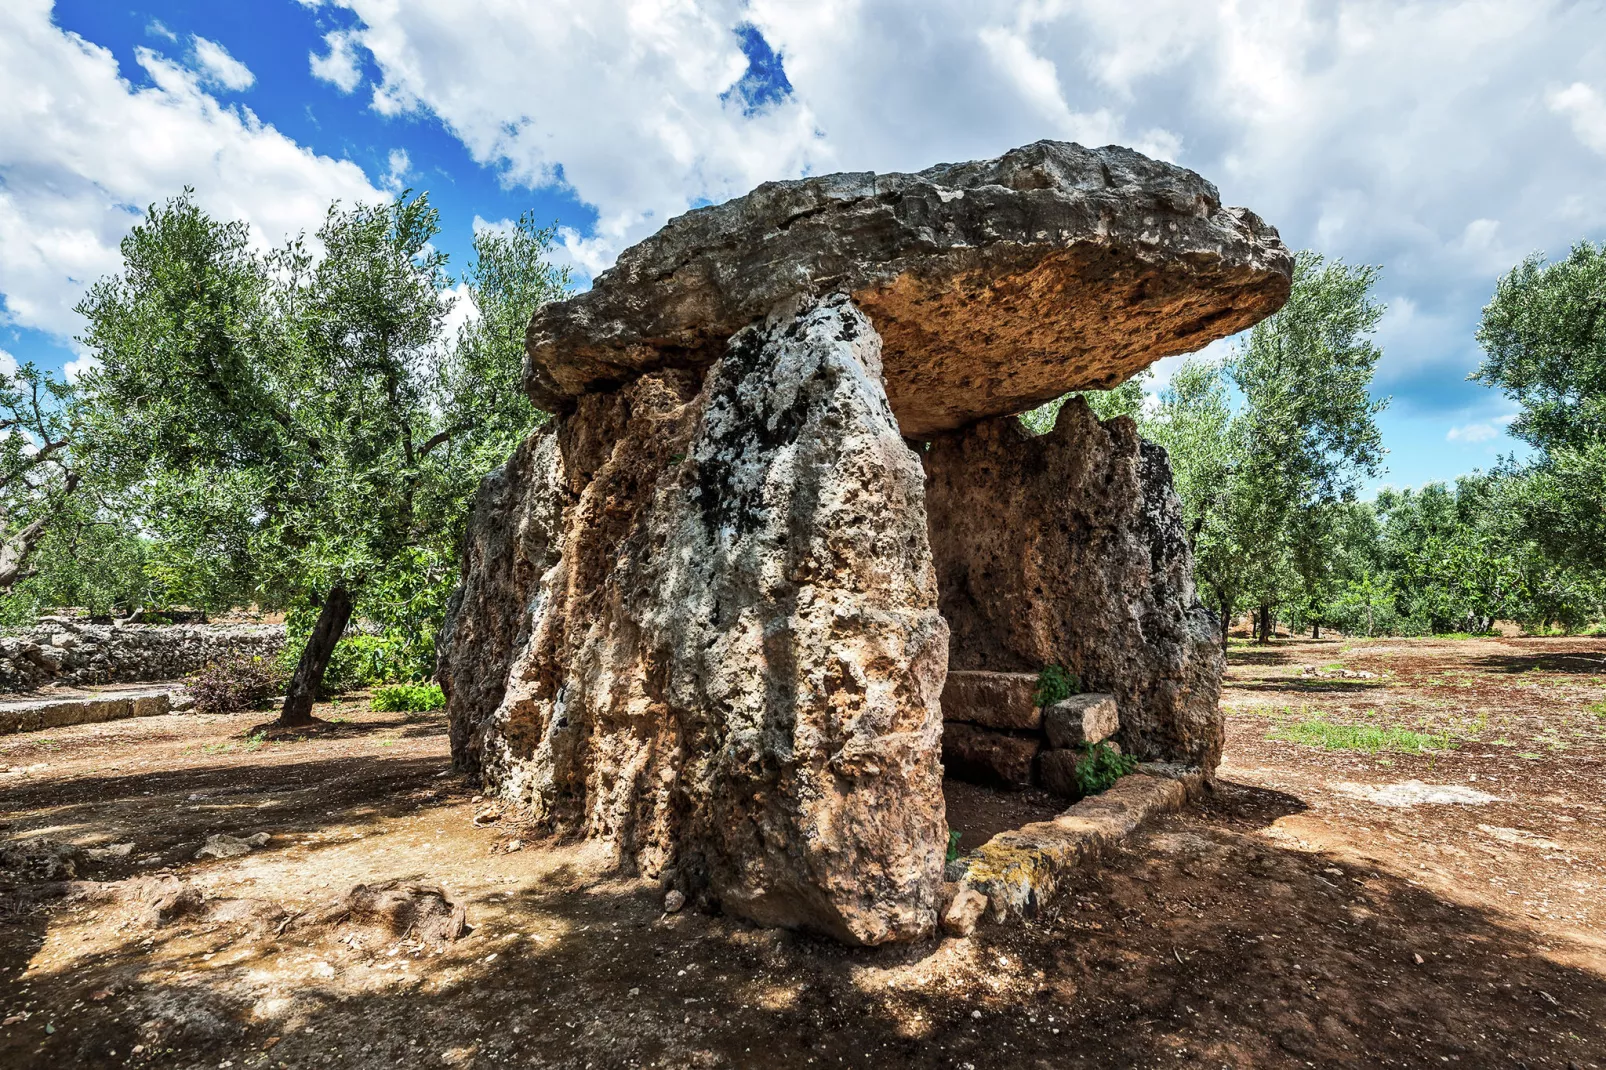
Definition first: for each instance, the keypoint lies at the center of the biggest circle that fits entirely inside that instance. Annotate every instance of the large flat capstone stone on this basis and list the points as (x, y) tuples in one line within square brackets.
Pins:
[(994, 285)]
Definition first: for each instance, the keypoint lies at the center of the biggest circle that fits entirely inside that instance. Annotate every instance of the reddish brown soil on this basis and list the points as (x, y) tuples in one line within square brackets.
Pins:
[(1288, 922)]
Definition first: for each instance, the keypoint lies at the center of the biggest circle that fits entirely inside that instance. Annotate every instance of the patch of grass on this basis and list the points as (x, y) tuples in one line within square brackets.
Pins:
[(408, 698), (1329, 735), (1598, 709)]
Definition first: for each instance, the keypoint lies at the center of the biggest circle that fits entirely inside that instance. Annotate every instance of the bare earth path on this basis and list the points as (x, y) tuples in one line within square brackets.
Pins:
[(1328, 907)]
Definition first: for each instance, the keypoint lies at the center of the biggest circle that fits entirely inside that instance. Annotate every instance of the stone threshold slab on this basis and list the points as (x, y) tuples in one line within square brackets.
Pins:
[(33, 715), (1021, 870)]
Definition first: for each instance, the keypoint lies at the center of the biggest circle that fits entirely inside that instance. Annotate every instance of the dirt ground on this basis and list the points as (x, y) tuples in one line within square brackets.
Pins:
[(1323, 908)]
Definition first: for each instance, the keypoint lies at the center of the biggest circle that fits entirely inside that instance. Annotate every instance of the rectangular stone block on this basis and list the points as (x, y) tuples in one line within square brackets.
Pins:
[(987, 756), (1056, 770), (992, 699), (1080, 720)]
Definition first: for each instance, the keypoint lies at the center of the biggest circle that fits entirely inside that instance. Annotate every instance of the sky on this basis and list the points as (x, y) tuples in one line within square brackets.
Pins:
[(1442, 141)]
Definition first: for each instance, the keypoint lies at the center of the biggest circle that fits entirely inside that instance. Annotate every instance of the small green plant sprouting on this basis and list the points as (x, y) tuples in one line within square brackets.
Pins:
[(1055, 683), (1101, 766), (408, 698), (953, 845)]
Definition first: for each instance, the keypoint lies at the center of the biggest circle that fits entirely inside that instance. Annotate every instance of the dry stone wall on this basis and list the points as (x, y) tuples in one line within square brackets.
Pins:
[(76, 653)]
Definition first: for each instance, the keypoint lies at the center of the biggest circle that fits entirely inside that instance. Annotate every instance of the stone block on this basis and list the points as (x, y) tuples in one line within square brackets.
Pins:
[(992, 699), (1080, 720), (981, 754)]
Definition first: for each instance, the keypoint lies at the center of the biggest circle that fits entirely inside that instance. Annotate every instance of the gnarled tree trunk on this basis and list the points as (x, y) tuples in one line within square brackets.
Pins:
[(303, 689)]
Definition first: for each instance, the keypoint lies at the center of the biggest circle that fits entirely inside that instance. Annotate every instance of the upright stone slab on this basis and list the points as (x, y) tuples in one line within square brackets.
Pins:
[(1082, 563), (728, 663)]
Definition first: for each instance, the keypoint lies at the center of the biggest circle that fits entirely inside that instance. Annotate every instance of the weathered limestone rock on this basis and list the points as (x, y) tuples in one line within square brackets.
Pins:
[(1082, 563), (964, 912), (992, 699), (987, 756), (700, 624), (1080, 720), (995, 285), (699, 619)]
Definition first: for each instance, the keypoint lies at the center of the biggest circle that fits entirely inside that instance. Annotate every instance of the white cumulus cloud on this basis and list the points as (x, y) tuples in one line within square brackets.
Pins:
[(1469, 433), (341, 66), (1585, 106), (83, 152), (219, 69)]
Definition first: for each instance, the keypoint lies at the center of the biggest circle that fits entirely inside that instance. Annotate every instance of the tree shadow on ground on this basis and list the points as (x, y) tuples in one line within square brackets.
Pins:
[(1561, 664), (1200, 943), (1258, 655), (169, 814), (1301, 685)]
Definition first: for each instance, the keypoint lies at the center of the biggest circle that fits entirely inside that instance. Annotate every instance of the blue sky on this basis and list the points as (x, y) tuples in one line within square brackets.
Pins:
[(1443, 141)]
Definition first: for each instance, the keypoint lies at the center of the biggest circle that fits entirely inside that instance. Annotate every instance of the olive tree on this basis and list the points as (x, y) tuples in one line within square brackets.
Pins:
[(302, 407)]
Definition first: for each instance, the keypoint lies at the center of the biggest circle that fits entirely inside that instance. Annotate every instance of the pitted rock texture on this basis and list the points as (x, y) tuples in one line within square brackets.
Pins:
[(995, 285), (1081, 562), (699, 623)]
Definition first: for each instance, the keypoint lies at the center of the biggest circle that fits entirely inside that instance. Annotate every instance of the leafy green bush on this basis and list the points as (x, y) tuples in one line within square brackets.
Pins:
[(408, 698), (234, 683), (1055, 683), (953, 845), (1101, 766)]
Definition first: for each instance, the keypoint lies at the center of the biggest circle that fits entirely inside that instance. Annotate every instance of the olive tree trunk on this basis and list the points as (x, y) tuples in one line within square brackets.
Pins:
[(303, 690), (1265, 624)]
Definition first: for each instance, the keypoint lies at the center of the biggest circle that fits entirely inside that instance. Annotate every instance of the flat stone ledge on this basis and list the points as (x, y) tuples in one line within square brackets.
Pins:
[(33, 715), (1021, 870), (992, 699)]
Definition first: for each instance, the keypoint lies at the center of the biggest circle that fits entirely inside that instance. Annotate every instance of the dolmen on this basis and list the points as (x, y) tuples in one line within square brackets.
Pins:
[(708, 612)]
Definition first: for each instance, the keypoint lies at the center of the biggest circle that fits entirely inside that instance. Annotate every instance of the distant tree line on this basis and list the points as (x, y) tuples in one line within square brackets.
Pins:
[(1270, 448)]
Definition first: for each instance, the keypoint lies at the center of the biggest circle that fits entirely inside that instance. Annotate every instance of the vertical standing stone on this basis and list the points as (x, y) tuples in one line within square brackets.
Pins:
[(1083, 563), (730, 659)]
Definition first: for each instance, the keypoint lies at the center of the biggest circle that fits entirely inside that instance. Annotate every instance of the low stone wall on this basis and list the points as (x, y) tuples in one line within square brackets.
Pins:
[(77, 653), (59, 712)]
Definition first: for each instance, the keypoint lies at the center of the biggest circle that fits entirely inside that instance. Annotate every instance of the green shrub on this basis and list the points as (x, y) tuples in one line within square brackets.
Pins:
[(408, 698), (953, 845), (1101, 766), (1055, 683), (234, 683)]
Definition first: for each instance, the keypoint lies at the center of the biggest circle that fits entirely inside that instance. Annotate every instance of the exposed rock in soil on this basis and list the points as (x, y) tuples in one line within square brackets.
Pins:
[(1082, 562), (38, 859), (699, 623), (392, 910), (995, 285)]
